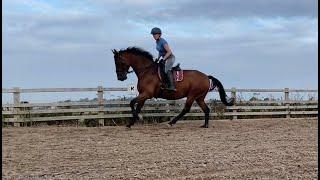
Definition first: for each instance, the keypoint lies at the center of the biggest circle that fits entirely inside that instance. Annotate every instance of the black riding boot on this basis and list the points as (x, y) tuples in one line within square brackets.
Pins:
[(170, 81)]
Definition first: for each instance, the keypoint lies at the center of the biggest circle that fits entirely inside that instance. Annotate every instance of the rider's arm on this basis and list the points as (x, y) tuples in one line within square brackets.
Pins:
[(169, 52)]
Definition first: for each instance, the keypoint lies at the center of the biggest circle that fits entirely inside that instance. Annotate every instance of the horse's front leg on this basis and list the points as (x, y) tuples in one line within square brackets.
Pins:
[(139, 100)]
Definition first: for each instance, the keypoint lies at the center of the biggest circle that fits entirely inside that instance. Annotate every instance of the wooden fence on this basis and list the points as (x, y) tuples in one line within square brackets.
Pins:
[(106, 110)]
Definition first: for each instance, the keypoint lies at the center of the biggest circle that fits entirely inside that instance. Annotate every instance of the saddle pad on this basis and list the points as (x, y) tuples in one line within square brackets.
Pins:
[(178, 75)]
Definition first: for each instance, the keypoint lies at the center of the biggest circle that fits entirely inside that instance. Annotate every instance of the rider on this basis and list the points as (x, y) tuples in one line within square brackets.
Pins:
[(166, 53)]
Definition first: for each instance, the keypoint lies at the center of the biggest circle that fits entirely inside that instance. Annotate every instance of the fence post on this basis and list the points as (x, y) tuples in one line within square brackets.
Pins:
[(234, 95), (16, 102), (100, 100), (286, 99)]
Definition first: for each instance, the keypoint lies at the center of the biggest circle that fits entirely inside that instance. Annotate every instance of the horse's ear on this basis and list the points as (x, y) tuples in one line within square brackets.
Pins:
[(114, 51)]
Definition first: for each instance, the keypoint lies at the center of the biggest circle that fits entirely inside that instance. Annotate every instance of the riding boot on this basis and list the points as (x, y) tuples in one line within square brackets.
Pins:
[(170, 81)]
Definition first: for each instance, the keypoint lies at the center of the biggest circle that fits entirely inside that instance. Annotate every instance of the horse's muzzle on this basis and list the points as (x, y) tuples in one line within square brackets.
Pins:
[(122, 77)]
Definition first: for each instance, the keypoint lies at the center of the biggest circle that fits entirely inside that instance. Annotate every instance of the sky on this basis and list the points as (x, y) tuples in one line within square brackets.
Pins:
[(243, 43)]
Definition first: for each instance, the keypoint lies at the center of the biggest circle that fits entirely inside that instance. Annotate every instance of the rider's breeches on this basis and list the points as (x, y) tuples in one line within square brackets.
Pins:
[(169, 63)]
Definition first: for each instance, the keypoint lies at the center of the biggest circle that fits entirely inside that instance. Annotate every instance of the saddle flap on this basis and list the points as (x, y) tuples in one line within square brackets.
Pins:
[(177, 72)]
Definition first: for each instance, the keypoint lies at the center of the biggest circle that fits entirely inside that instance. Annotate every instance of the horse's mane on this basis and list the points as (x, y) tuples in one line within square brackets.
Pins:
[(138, 51)]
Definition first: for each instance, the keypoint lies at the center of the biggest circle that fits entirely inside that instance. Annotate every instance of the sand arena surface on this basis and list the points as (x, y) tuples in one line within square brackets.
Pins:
[(240, 149)]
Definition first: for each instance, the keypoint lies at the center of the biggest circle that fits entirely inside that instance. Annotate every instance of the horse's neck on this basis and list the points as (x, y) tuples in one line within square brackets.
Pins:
[(139, 66)]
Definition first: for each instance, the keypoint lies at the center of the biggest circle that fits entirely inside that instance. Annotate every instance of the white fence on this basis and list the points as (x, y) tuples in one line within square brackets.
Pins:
[(105, 110)]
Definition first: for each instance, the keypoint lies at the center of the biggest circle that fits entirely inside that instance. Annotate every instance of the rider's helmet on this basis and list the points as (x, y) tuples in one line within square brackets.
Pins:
[(155, 30)]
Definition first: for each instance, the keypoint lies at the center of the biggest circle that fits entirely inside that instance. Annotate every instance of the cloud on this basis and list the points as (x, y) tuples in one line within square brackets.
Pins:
[(244, 43), (223, 9)]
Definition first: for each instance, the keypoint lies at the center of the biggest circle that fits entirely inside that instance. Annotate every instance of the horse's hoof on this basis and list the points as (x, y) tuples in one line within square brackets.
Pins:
[(170, 123), (128, 126), (204, 126)]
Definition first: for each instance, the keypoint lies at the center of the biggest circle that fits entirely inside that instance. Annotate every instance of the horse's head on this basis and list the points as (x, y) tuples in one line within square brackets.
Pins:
[(121, 65)]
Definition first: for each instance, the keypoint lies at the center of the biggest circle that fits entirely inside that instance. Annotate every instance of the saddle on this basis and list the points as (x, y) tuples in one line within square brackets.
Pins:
[(177, 72)]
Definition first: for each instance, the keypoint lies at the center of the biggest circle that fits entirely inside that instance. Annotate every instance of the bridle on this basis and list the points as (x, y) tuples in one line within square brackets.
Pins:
[(128, 72)]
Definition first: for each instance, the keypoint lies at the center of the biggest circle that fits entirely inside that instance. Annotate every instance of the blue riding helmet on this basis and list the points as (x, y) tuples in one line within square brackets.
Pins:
[(155, 30)]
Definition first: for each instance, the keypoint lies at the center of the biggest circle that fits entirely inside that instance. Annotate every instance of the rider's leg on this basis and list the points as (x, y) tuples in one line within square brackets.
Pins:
[(168, 66), (171, 81)]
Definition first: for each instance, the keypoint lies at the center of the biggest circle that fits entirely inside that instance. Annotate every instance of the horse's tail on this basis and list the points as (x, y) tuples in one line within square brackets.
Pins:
[(222, 92)]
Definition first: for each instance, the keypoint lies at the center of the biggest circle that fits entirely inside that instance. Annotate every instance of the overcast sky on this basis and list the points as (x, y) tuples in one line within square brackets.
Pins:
[(243, 43)]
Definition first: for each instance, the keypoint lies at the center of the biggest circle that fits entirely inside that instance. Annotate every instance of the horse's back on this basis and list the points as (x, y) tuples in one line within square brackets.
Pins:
[(195, 79), (193, 82)]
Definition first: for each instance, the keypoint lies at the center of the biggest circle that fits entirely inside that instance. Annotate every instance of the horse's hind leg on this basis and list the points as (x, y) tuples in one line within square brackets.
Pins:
[(184, 111), (206, 111)]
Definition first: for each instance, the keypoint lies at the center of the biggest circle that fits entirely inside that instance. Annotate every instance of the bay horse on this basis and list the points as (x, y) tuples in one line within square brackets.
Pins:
[(194, 86)]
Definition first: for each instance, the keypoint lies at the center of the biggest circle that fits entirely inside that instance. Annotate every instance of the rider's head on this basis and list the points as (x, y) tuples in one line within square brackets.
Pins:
[(156, 33)]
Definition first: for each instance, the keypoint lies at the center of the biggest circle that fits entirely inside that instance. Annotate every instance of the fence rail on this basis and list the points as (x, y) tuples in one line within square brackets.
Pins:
[(104, 110), (37, 90)]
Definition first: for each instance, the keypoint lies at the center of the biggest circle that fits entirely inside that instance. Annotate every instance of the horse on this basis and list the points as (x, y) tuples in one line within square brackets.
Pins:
[(194, 86)]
